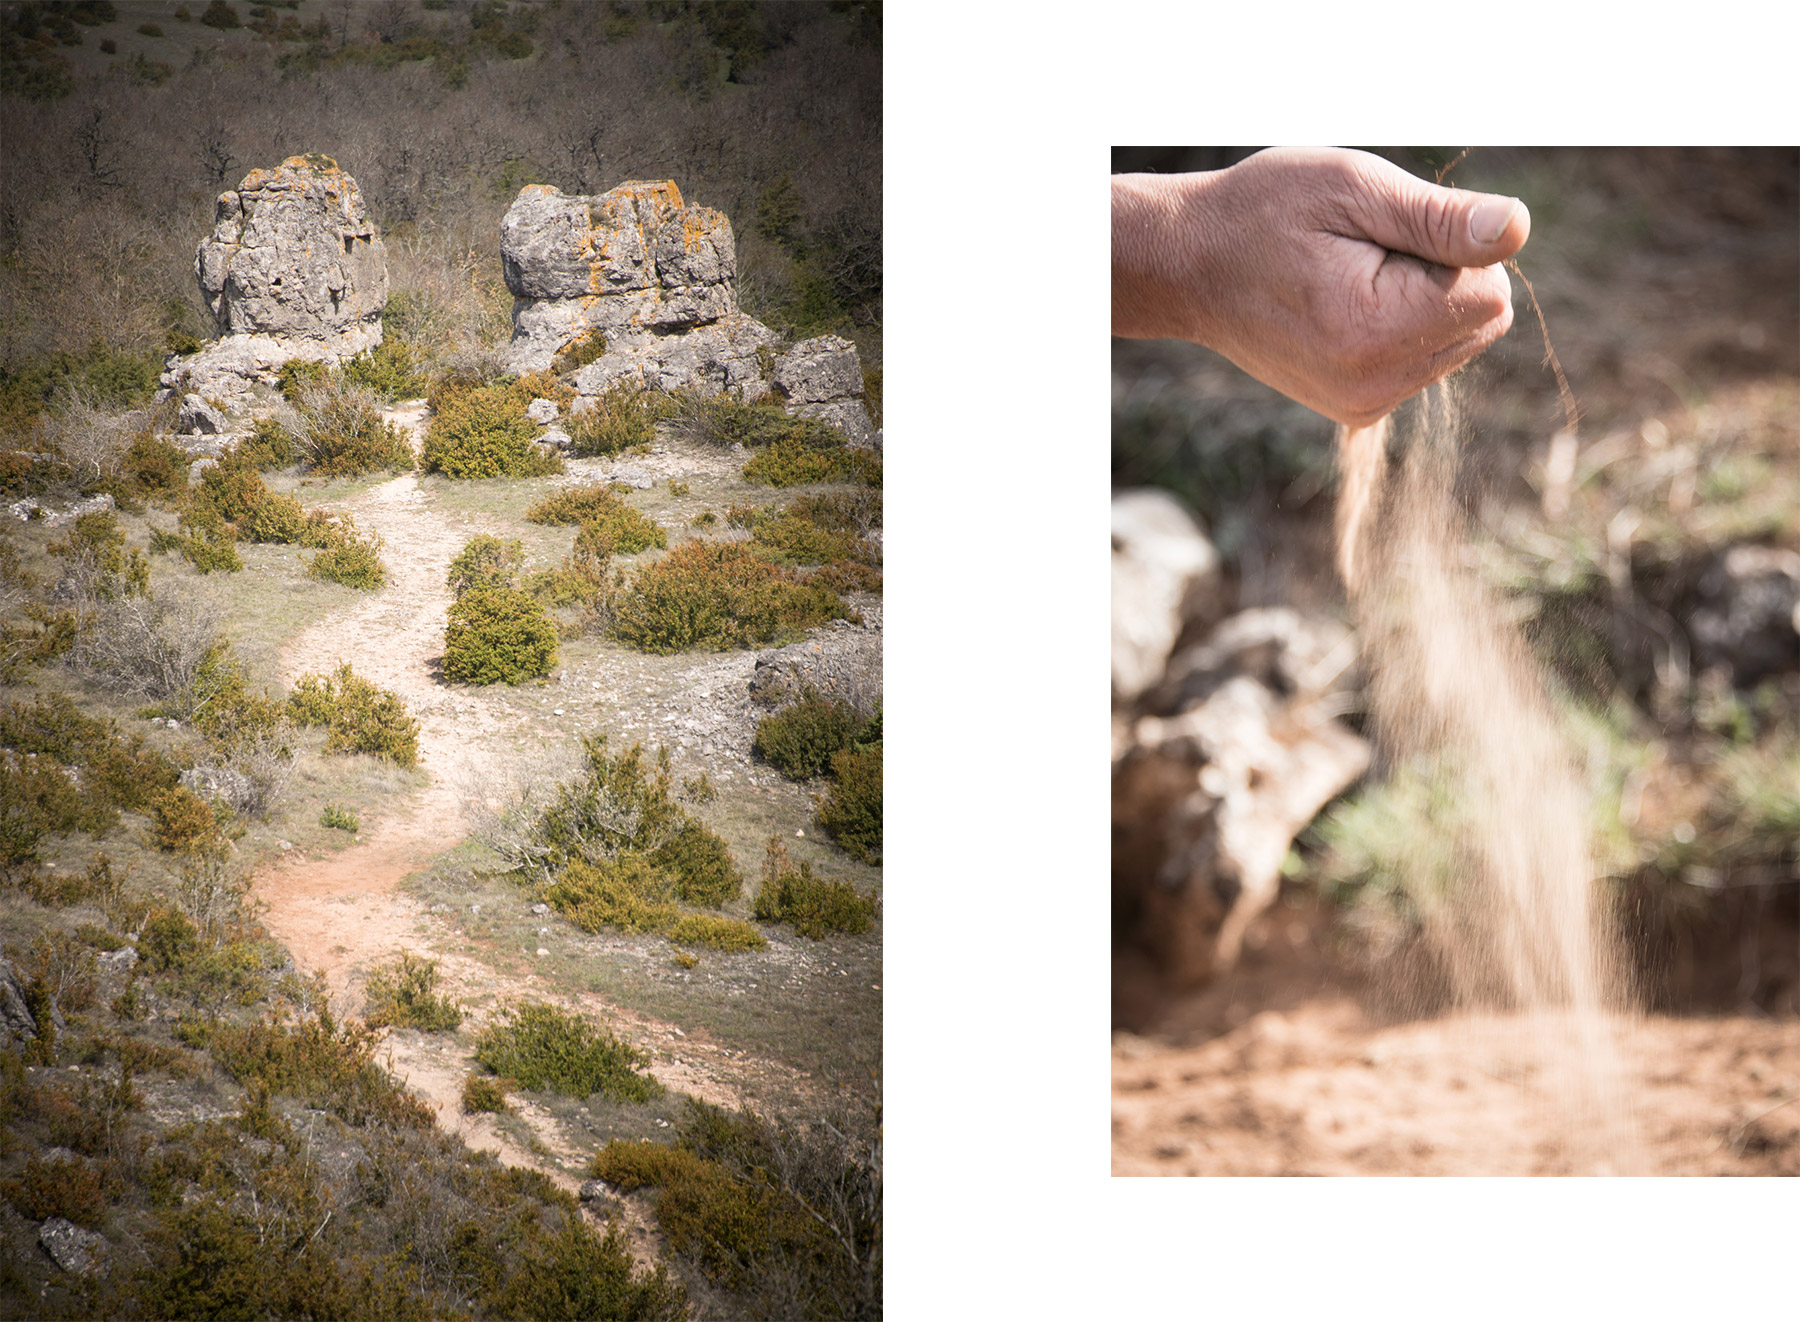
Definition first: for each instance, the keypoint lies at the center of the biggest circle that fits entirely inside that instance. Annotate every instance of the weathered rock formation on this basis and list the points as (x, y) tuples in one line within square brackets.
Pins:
[(1223, 752), (292, 269), (633, 264), (655, 281), (294, 255)]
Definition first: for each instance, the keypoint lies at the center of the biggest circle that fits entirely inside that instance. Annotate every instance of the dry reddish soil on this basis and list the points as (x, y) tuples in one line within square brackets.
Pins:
[(1291, 1066)]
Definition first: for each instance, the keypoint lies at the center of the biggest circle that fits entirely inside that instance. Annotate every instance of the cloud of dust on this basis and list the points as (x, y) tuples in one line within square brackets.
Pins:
[(1511, 909)]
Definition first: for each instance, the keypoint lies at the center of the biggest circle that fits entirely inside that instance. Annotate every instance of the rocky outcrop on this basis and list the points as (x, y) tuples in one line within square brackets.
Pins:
[(17, 1022), (654, 281), (293, 268), (1163, 569), (844, 664), (633, 264), (294, 255), (1235, 750)]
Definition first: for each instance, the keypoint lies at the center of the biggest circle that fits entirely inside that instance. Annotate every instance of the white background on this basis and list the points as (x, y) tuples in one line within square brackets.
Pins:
[(998, 124)]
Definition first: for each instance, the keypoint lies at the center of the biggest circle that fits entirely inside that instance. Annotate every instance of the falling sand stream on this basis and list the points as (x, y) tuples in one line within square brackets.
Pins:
[(1505, 884)]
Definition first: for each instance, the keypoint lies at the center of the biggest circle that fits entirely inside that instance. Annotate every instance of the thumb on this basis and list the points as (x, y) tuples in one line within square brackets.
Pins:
[(1448, 226)]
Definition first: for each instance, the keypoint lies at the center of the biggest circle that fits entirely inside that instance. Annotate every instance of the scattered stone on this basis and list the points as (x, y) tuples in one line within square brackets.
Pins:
[(77, 1251), (841, 664), (540, 909), (120, 961), (28, 509), (557, 437), (219, 783)]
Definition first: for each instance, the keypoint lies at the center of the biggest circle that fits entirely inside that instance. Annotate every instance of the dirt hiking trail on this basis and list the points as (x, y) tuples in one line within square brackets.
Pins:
[(339, 914)]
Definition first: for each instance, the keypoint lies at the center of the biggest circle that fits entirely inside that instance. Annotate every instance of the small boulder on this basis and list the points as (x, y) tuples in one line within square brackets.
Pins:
[(542, 411), (198, 416), (77, 1251), (819, 370)]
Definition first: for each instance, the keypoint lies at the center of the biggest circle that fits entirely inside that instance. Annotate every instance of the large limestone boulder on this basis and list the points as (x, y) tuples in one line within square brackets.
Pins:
[(657, 279), (294, 255), (293, 268), (633, 263)]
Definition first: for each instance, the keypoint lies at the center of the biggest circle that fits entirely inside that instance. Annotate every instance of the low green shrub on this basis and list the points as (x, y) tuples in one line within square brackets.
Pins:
[(792, 461), (100, 566), (277, 517), (498, 635), (296, 375), (799, 742), (158, 467), (723, 421), (718, 595), (184, 824), (269, 446), (484, 433), (230, 488), (625, 891), (404, 994), (361, 717), (700, 864), (486, 562), (168, 941), (791, 893), (701, 929), (789, 537), (616, 421), (543, 1047), (355, 561), (390, 368), (852, 808), (481, 1094), (614, 522), (339, 818), (324, 1065), (75, 1189), (342, 433), (787, 1221)]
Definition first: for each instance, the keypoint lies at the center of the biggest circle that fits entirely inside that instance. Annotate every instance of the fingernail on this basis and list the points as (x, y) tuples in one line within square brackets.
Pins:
[(1489, 220)]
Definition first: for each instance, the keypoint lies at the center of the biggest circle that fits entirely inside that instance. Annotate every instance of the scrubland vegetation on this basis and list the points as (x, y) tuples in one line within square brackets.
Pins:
[(207, 1108)]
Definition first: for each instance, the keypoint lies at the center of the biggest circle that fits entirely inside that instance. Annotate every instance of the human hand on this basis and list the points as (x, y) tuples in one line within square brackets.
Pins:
[(1332, 275)]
